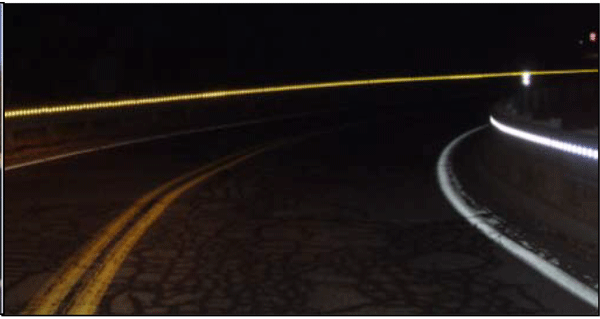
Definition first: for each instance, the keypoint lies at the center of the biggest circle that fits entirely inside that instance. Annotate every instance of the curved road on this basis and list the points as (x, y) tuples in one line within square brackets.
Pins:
[(349, 222)]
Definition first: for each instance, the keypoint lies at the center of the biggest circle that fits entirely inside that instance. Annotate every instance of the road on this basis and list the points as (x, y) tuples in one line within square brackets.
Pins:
[(348, 222)]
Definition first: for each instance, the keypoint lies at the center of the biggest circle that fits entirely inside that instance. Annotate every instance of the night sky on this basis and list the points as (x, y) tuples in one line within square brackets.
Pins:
[(72, 53)]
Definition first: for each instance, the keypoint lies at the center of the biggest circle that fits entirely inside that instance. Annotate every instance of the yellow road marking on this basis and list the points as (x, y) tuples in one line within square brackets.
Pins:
[(95, 286), (89, 299), (48, 299), (50, 296), (40, 110)]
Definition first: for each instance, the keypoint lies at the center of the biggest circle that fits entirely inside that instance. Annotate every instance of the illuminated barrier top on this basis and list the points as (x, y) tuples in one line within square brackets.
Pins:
[(272, 89), (564, 146)]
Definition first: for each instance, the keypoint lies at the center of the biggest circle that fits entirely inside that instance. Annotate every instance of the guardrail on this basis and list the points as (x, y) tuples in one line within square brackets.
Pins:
[(28, 132), (116, 123), (41, 110), (27, 127)]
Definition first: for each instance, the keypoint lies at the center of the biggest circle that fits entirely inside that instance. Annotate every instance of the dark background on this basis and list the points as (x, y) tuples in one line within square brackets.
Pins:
[(72, 53)]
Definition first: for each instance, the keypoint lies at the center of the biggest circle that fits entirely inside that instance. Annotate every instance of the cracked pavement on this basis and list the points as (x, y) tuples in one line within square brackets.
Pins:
[(347, 223)]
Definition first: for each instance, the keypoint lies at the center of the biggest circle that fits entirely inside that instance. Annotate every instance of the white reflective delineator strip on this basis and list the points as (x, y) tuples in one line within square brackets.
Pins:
[(547, 269), (546, 141)]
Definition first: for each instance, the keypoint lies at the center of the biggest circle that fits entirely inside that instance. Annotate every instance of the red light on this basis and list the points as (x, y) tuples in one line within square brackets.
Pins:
[(593, 37)]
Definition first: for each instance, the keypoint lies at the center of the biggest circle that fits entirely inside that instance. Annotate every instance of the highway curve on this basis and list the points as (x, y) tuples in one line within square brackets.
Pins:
[(350, 221)]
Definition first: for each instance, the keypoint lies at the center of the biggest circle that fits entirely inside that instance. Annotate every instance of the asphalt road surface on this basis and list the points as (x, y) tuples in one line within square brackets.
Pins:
[(348, 222)]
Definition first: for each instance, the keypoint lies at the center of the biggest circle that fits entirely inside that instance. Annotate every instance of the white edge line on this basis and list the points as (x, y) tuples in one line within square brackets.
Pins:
[(162, 136), (550, 271)]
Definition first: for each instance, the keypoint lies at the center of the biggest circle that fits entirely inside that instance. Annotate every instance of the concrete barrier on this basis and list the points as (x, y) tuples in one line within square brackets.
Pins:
[(565, 182), (574, 101)]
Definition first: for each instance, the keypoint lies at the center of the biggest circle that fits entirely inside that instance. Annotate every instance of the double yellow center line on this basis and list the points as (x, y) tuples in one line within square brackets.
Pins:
[(52, 294), (41, 110), (87, 274)]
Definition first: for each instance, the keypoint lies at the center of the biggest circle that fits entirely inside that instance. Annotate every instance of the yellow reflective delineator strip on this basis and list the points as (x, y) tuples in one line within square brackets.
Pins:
[(41, 110)]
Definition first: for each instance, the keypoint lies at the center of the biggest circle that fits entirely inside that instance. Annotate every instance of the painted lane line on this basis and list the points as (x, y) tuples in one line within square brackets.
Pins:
[(547, 269), (94, 287), (88, 300), (59, 286), (53, 292), (568, 147), (165, 136)]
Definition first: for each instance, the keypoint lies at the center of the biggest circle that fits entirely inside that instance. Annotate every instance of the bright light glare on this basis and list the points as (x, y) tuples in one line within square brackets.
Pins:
[(271, 89), (526, 78), (564, 146)]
